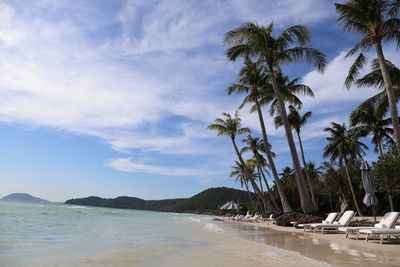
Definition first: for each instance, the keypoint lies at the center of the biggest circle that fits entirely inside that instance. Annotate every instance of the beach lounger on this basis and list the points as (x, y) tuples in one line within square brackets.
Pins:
[(388, 221), (234, 217), (271, 218), (252, 219), (342, 222), (239, 218), (329, 220), (380, 233)]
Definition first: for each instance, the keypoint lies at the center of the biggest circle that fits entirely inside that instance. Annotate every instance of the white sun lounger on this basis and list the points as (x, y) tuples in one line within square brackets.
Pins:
[(252, 219), (388, 221), (342, 222), (239, 218), (380, 233), (329, 220)]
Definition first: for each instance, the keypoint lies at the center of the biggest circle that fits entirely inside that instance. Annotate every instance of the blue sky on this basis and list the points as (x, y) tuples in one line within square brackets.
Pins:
[(113, 98)]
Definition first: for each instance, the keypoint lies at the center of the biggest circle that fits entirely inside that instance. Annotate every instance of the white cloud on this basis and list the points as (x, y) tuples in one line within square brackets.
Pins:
[(160, 66), (129, 165)]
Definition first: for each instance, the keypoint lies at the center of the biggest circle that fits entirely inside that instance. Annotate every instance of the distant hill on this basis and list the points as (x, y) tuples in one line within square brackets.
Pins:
[(208, 201), (23, 197), (211, 199)]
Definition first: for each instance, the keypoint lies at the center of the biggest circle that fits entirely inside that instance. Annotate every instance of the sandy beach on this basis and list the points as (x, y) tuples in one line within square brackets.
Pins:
[(332, 248)]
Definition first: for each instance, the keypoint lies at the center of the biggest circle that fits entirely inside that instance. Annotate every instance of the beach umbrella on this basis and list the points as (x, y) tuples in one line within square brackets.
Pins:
[(368, 182), (231, 205)]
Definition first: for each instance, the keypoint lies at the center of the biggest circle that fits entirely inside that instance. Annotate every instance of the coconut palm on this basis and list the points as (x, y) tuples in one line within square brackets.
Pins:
[(343, 145), (369, 120), (238, 173), (256, 146), (290, 90), (251, 80), (377, 21), (230, 126), (253, 40), (375, 79), (297, 121)]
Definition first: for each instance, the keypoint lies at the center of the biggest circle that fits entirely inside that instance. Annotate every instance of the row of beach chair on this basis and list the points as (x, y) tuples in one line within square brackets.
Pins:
[(385, 229), (250, 218)]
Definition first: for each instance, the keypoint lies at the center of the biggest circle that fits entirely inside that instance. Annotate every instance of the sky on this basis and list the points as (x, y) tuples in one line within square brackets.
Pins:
[(111, 97)]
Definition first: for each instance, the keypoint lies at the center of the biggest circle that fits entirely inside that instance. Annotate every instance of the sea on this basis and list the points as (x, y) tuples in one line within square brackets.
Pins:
[(41, 235)]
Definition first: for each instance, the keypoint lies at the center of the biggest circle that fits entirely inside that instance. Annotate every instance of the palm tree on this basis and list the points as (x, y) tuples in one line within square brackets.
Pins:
[(231, 127), (369, 120), (377, 21), (297, 121), (375, 79), (251, 80), (342, 145), (257, 147), (253, 40), (289, 89), (238, 173)]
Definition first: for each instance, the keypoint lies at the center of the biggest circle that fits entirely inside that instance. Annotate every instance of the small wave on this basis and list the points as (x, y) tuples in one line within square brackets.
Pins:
[(213, 228), (193, 219), (78, 207)]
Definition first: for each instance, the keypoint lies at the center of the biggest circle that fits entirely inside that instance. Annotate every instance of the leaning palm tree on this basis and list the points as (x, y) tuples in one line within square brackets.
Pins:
[(369, 120), (344, 145), (290, 89), (251, 80), (378, 22), (297, 121), (238, 173), (257, 147), (375, 79), (230, 126), (253, 40)]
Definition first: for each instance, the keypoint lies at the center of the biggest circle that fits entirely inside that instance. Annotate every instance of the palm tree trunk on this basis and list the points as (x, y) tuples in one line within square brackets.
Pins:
[(390, 94), (379, 145), (351, 188), (305, 200), (248, 192), (388, 191), (268, 188), (306, 169), (261, 186), (282, 196), (267, 204)]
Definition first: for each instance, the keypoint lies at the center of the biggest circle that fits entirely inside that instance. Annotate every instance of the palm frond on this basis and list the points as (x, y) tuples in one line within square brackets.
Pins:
[(355, 70)]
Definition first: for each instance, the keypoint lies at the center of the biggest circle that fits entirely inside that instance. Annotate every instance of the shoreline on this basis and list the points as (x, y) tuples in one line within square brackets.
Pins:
[(332, 248)]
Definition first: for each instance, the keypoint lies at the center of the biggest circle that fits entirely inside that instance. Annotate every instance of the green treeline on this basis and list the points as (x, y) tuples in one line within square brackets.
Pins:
[(207, 201)]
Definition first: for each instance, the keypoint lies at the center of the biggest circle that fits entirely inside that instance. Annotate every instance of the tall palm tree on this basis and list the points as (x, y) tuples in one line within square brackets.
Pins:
[(297, 121), (238, 173), (251, 80), (230, 126), (377, 21), (375, 79), (253, 40), (256, 146), (289, 89), (369, 120), (343, 145)]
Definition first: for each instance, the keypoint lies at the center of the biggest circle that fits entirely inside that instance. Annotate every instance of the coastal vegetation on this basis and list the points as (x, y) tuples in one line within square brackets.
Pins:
[(206, 202), (305, 186)]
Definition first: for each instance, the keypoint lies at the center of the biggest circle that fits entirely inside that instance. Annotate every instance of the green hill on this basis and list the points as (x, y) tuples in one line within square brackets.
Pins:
[(208, 201), (211, 199)]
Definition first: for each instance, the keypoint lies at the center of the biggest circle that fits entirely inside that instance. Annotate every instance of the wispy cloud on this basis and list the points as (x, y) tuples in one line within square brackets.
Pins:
[(129, 165), (141, 76)]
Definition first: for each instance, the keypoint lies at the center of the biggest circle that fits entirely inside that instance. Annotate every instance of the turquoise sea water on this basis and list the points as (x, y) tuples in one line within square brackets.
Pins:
[(62, 235)]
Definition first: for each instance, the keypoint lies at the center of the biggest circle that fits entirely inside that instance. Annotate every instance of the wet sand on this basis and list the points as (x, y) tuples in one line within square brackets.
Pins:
[(332, 248)]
